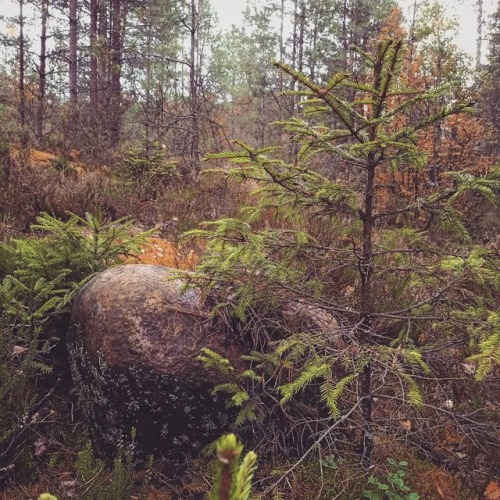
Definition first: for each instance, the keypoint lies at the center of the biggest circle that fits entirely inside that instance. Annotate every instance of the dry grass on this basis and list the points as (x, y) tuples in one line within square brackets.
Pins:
[(27, 190), (32, 157)]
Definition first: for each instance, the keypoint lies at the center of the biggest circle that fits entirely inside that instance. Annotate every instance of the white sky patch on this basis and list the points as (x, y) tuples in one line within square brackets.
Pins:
[(229, 12), (466, 15)]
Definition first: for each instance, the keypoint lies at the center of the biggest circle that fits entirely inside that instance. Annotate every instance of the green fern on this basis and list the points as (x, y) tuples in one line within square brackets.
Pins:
[(450, 221), (211, 359), (414, 393)]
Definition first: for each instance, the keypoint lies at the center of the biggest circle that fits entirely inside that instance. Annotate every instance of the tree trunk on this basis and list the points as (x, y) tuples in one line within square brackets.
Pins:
[(318, 14), (94, 6), (282, 46), (300, 41), (412, 33), (103, 44), (293, 83), (103, 108), (345, 40), (42, 71), (479, 40), (365, 266), (22, 64), (366, 270), (73, 53), (116, 71), (194, 83)]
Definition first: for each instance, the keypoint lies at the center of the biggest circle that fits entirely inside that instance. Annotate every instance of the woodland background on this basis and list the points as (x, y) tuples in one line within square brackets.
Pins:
[(109, 109)]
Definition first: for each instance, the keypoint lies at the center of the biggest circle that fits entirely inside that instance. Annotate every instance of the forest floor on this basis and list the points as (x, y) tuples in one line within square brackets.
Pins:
[(442, 462)]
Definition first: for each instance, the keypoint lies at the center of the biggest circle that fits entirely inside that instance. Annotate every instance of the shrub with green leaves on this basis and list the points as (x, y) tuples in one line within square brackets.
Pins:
[(96, 482)]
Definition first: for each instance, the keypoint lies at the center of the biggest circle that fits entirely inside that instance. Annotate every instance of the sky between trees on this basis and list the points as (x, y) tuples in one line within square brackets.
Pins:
[(229, 12)]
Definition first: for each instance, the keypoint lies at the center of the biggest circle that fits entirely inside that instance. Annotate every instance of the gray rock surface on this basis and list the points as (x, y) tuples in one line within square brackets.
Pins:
[(133, 342)]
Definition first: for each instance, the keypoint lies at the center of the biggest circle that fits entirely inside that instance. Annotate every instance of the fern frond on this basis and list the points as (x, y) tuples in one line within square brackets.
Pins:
[(211, 359), (449, 220), (247, 414), (414, 358)]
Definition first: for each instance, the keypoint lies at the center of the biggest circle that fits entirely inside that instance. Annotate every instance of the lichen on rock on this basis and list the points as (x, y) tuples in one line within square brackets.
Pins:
[(133, 343)]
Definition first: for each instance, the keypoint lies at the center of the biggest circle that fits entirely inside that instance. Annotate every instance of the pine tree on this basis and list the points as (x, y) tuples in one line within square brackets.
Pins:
[(379, 264)]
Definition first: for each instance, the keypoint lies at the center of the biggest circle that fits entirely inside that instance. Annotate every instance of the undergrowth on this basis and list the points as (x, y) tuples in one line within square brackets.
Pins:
[(352, 346), (40, 277)]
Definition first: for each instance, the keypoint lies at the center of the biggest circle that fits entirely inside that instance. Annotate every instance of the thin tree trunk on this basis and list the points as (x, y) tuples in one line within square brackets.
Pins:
[(367, 216), (318, 15), (116, 71), (345, 41), (300, 42), (42, 71), (282, 45), (194, 83), (294, 40), (479, 40), (102, 33), (366, 270), (282, 101), (73, 53), (103, 108), (298, 55), (22, 90), (149, 112), (93, 57), (412, 32)]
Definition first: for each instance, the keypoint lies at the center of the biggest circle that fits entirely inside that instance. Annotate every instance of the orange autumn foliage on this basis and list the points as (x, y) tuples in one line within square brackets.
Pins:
[(460, 143), (163, 253), (45, 160), (35, 158)]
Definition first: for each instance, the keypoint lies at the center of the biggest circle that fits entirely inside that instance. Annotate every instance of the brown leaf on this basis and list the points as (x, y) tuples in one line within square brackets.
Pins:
[(469, 368), (17, 349), (406, 425), (492, 491), (422, 339)]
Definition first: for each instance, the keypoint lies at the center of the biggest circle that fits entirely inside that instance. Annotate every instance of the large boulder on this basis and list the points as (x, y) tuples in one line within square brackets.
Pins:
[(133, 342)]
